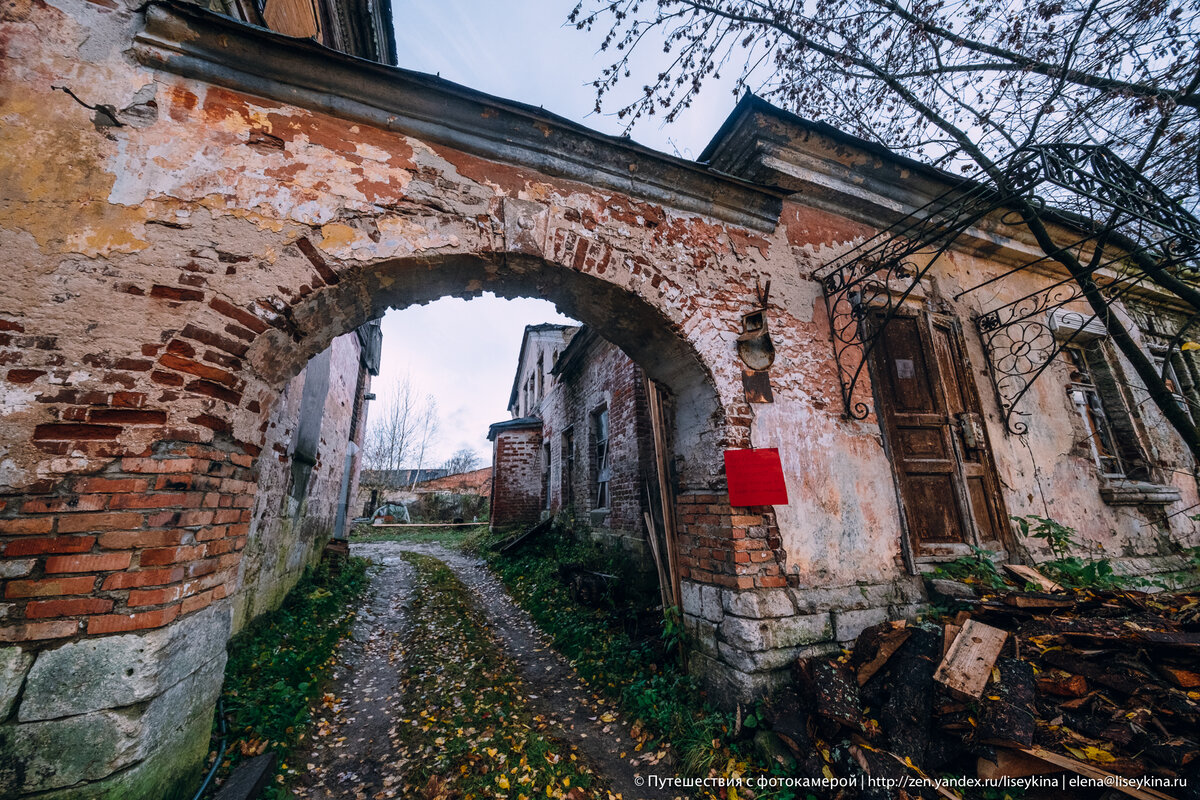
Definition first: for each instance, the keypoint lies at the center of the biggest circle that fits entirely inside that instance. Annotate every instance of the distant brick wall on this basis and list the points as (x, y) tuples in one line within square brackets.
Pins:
[(517, 483), (603, 377)]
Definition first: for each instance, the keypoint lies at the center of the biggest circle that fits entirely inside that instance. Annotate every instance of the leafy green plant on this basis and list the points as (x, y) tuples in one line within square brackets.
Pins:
[(1072, 571), (978, 568), (1058, 537)]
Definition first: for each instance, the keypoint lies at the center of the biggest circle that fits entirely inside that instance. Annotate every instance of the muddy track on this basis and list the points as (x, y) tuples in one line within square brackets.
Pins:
[(355, 757)]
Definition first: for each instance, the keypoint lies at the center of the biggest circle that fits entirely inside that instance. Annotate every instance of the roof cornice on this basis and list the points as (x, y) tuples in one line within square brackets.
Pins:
[(187, 40)]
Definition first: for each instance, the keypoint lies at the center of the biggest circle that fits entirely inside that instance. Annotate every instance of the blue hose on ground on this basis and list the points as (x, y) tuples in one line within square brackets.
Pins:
[(221, 752)]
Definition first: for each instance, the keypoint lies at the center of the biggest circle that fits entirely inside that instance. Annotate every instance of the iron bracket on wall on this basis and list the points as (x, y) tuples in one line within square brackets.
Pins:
[(864, 287)]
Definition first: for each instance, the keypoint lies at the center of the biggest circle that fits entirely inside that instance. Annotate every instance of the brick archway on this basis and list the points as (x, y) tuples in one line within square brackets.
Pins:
[(184, 266)]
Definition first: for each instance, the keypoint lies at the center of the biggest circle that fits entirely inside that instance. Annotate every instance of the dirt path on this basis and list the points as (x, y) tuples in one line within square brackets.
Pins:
[(353, 757), (352, 754)]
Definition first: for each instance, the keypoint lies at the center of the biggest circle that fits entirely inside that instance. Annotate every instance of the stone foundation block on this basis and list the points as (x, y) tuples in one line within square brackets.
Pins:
[(758, 603), (729, 686), (14, 664), (41, 756), (702, 633), (770, 634), (847, 625), (903, 590), (94, 674)]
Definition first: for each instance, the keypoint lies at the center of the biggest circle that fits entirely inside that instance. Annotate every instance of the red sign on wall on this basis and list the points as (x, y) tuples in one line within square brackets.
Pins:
[(755, 477)]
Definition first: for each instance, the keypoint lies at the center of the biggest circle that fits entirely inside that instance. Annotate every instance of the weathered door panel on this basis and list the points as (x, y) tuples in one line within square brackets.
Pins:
[(931, 416), (967, 428)]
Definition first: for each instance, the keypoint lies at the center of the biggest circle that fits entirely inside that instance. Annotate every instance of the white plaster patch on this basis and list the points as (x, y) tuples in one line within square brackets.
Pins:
[(14, 399)]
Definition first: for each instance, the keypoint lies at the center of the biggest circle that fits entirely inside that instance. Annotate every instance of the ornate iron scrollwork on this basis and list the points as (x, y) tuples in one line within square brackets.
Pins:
[(864, 286), (1020, 346)]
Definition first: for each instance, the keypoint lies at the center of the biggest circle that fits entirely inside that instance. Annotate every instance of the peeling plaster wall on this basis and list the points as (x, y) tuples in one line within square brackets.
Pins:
[(284, 537)]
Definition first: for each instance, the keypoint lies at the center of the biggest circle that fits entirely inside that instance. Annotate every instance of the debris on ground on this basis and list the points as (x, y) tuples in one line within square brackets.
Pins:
[(1102, 687)]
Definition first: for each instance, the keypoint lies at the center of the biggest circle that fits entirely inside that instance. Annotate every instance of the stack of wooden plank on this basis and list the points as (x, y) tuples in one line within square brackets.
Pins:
[(1096, 685)]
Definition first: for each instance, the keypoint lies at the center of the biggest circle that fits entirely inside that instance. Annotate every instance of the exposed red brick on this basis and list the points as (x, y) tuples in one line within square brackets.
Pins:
[(134, 364), (175, 293), (219, 547), (174, 481), (154, 597), (233, 312), (25, 375), (24, 525), (318, 261), (69, 607), (63, 431), (151, 500), (209, 421), (192, 519), (198, 369), (170, 555), (103, 562), (210, 389), (145, 577), (49, 587), (160, 465), (128, 416), (124, 540), (56, 544), (210, 533), (111, 485), (64, 505), (166, 378), (116, 623), (199, 568), (105, 521), (33, 631), (215, 340), (197, 602), (180, 348)]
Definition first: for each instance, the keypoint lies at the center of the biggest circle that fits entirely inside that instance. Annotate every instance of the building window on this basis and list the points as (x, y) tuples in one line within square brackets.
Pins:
[(1097, 398), (603, 469), (1178, 379), (567, 474), (546, 473)]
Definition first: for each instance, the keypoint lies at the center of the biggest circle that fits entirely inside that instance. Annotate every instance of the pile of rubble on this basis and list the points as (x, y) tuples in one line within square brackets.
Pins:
[(1101, 689)]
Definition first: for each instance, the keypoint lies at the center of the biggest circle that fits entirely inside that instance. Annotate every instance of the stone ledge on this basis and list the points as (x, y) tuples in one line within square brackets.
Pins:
[(1136, 493), (769, 634)]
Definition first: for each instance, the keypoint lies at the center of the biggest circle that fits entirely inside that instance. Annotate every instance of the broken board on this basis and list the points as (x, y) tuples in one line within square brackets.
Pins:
[(966, 667), (1031, 575)]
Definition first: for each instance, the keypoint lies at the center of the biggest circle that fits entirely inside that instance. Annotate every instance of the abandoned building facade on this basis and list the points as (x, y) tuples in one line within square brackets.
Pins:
[(578, 442), (263, 195)]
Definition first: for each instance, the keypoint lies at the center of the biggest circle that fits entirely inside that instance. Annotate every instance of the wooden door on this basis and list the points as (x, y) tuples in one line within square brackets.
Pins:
[(931, 416)]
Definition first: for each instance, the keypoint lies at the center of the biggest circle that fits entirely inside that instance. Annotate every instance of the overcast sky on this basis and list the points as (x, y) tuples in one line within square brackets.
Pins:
[(464, 353)]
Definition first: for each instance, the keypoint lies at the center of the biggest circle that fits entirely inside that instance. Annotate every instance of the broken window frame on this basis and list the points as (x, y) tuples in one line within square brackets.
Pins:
[(566, 475), (1175, 371), (603, 466), (1085, 396)]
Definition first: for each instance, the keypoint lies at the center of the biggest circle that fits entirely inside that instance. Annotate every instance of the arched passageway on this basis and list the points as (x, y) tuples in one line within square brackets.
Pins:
[(179, 271)]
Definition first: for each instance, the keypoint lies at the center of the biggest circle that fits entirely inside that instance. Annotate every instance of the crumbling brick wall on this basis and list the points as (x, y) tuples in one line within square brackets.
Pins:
[(517, 497)]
